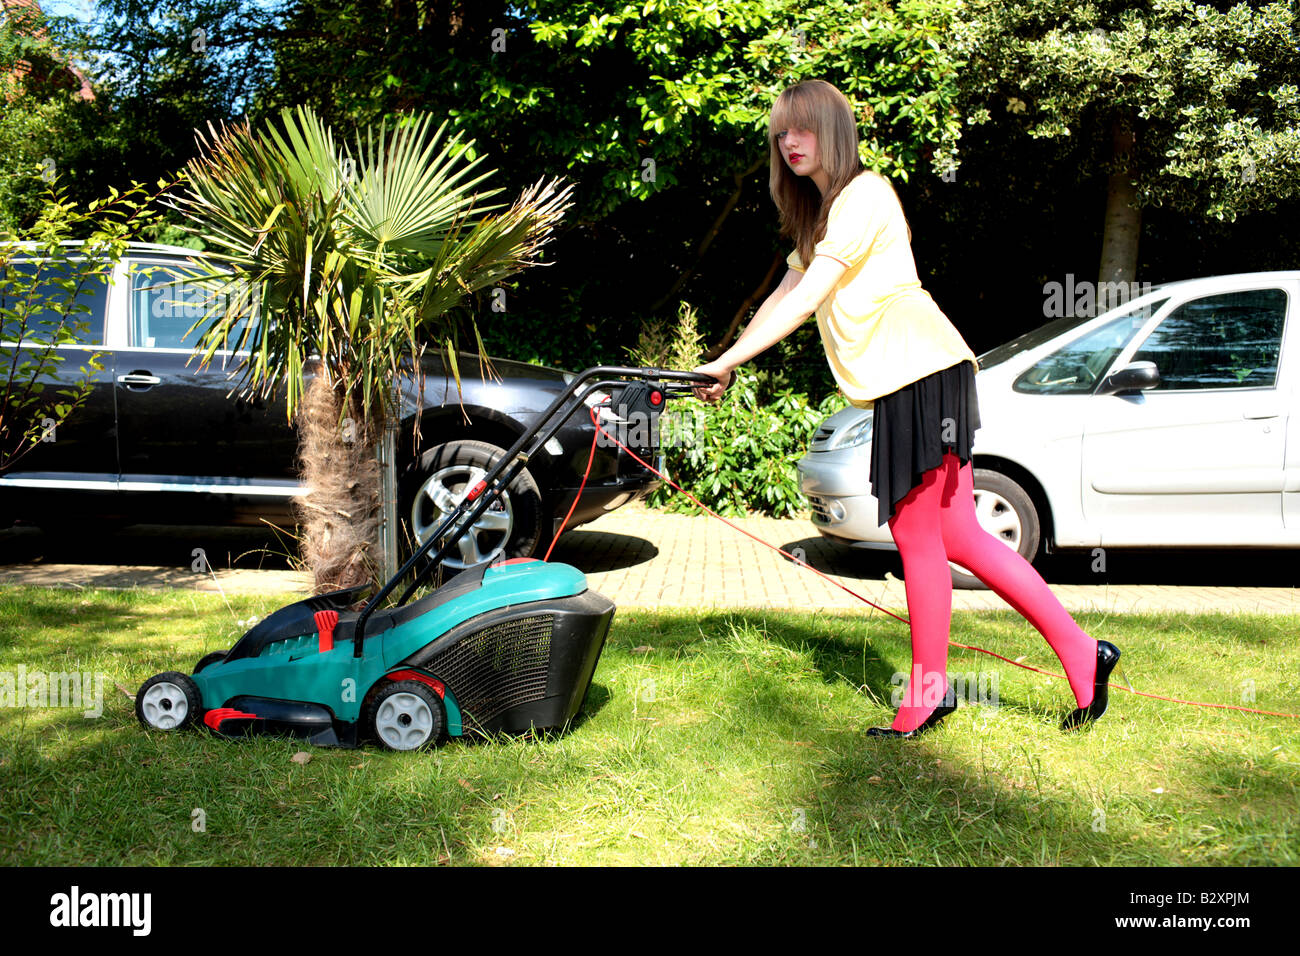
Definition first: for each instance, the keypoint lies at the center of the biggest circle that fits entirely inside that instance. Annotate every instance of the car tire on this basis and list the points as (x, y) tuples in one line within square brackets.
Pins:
[(512, 527), (1005, 511)]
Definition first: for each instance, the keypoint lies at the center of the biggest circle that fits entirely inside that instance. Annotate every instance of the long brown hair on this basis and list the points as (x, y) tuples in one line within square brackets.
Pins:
[(818, 106)]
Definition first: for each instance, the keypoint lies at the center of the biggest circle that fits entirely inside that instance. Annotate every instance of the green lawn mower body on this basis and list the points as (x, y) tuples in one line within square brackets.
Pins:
[(507, 647), (504, 649)]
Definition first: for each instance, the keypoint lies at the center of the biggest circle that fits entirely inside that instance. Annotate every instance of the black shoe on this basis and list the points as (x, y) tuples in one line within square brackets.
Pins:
[(1107, 658), (937, 715)]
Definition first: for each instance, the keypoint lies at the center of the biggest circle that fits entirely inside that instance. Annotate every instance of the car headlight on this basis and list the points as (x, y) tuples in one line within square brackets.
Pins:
[(858, 434)]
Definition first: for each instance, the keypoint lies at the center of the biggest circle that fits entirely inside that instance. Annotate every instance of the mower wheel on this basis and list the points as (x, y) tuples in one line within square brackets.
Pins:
[(207, 659), (168, 701), (437, 481), (404, 715)]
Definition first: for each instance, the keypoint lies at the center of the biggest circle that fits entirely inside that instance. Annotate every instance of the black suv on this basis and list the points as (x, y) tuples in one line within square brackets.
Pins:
[(161, 441)]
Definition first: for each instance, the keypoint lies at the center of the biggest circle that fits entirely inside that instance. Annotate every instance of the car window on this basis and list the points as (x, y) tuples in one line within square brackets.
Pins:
[(1076, 368), (68, 294), (1229, 340), (166, 303)]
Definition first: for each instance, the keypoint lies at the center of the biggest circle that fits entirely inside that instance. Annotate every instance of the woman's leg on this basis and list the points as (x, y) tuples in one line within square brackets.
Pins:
[(918, 532), (1011, 576)]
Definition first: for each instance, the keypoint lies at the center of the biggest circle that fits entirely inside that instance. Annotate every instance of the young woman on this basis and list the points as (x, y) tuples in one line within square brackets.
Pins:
[(890, 348)]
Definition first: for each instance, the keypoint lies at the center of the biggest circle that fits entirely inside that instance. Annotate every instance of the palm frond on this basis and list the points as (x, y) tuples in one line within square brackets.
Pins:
[(354, 255)]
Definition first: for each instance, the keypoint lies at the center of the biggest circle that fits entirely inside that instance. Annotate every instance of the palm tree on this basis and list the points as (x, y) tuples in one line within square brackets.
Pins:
[(335, 265)]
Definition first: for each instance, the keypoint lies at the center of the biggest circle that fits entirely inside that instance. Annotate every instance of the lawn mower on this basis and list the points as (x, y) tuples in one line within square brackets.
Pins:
[(501, 648)]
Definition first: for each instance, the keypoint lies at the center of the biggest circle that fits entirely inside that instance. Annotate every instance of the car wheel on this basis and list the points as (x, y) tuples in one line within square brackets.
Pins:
[(511, 526), (168, 701), (1005, 511), (404, 715)]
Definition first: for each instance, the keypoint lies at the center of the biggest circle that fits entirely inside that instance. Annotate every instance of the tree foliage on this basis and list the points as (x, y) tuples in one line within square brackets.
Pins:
[(157, 73), (44, 123), (657, 109), (1210, 90)]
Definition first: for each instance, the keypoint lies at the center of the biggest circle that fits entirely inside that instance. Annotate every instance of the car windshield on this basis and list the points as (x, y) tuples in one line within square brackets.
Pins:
[(1036, 337), (1031, 339)]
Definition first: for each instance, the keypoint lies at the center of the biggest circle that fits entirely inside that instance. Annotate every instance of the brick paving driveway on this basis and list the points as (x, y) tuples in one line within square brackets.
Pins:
[(644, 558)]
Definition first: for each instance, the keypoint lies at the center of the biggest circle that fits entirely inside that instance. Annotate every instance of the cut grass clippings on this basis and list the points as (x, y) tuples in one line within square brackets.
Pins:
[(731, 737)]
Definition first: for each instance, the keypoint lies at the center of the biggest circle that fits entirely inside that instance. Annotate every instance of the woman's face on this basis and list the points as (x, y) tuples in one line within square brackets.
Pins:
[(799, 150)]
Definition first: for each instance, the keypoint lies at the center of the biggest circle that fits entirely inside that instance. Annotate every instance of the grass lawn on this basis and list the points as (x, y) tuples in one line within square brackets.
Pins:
[(710, 738)]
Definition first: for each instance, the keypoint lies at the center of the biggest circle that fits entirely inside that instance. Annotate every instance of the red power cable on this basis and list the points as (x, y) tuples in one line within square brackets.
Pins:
[(591, 456), (952, 643)]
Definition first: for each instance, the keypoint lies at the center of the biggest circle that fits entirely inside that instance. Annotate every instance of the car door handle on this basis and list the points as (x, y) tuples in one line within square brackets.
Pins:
[(1253, 414), (139, 378)]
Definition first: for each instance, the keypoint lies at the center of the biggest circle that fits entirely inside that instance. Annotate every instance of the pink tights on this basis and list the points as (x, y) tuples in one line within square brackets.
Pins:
[(936, 522)]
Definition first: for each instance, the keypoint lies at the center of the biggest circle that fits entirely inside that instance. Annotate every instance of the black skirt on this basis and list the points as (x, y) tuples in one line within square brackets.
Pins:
[(913, 427)]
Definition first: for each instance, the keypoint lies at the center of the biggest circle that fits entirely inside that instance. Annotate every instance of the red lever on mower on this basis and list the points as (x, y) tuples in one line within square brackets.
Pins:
[(325, 622)]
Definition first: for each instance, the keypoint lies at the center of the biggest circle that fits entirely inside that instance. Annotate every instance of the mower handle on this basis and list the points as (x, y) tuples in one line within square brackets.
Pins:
[(664, 376), (667, 374), (514, 459), (645, 374)]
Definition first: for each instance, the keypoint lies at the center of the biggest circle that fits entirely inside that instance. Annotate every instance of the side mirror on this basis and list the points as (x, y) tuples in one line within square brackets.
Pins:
[(1137, 376)]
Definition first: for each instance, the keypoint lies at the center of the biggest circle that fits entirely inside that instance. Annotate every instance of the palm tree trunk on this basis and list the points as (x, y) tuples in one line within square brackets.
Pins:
[(338, 464)]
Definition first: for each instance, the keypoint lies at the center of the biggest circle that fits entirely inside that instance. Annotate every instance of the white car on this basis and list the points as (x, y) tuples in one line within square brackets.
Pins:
[(1170, 421)]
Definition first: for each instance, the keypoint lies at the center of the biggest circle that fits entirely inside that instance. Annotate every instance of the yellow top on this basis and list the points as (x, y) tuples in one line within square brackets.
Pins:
[(881, 330)]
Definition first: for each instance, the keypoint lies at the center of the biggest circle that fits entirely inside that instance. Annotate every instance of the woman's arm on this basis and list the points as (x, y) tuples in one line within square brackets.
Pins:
[(796, 298)]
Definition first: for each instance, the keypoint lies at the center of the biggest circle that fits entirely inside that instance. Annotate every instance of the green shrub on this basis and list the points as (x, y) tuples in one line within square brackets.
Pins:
[(738, 456)]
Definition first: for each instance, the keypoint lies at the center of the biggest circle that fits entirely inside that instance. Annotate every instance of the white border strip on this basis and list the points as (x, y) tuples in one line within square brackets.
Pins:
[(216, 486)]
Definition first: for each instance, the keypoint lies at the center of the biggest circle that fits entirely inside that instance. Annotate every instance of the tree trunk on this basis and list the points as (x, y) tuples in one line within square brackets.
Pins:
[(340, 513), (714, 229), (1123, 228), (778, 260)]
